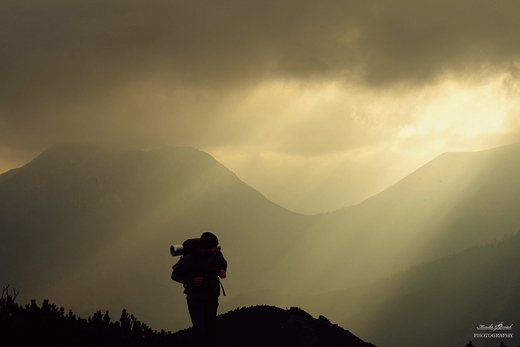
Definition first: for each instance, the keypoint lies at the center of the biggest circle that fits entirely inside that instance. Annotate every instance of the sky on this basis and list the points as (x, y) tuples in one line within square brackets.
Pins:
[(316, 104)]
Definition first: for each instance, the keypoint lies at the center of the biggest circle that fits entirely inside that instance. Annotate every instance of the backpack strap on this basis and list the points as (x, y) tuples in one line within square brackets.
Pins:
[(196, 261), (222, 286)]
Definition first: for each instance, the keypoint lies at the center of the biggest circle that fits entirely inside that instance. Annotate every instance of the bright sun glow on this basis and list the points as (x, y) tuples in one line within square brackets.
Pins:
[(458, 117), (310, 140)]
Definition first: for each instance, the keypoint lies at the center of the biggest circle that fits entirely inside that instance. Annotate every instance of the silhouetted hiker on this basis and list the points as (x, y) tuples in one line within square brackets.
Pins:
[(199, 271)]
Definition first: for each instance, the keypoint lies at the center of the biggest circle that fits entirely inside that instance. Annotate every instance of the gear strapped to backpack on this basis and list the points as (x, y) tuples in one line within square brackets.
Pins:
[(187, 247)]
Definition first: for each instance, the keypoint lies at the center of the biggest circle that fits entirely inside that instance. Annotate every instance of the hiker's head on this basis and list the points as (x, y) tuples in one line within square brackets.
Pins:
[(209, 243)]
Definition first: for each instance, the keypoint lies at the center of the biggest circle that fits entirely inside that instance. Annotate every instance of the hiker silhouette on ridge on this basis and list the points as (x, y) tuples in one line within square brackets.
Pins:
[(200, 273)]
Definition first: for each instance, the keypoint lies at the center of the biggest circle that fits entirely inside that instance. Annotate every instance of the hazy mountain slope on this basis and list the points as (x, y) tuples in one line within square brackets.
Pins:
[(455, 201), (456, 198), (439, 303), (92, 228)]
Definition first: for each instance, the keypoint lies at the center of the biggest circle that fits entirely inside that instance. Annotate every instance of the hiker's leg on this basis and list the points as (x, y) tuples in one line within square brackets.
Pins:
[(196, 310), (210, 313)]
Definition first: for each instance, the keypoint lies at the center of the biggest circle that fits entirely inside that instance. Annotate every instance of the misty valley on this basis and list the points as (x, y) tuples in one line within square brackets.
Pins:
[(427, 262)]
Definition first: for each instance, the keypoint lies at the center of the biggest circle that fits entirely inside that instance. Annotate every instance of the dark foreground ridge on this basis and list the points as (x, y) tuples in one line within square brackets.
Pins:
[(252, 326), (273, 326)]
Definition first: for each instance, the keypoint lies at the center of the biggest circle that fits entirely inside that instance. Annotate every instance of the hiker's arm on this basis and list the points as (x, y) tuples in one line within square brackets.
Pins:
[(223, 266)]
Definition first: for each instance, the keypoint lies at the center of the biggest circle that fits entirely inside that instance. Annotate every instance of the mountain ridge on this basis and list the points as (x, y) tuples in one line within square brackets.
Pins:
[(88, 225), (446, 205)]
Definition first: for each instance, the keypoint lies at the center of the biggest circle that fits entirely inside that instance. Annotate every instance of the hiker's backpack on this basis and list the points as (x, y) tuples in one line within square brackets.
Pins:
[(187, 247)]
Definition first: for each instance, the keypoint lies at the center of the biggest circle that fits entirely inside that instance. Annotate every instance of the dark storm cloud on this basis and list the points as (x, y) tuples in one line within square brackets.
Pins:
[(71, 68), (419, 40)]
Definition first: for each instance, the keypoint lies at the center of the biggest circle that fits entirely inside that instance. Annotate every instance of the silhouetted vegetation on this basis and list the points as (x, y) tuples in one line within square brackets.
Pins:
[(254, 326), (34, 325)]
